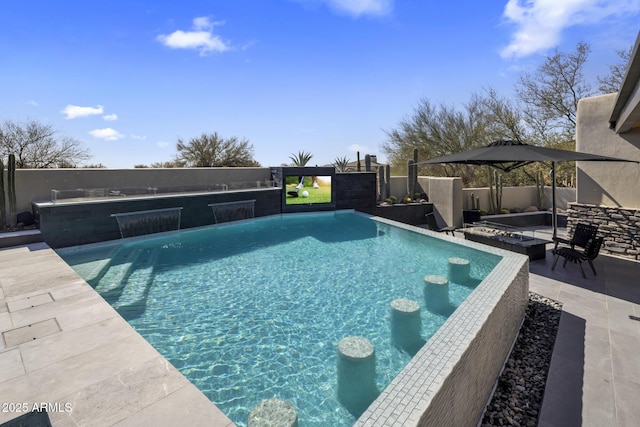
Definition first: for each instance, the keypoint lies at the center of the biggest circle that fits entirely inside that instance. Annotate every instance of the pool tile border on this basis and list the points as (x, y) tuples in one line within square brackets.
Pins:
[(449, 381)]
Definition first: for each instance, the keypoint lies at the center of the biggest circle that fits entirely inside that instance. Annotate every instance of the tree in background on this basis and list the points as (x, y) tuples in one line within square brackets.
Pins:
[(301, 159), (437, 131), (37, 146), (212, 150), (550, 95), (543, 112), (613, 81), (160, 165), (549, 99)]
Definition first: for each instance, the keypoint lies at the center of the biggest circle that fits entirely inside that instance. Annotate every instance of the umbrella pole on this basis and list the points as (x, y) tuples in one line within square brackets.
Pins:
[(554, 218)]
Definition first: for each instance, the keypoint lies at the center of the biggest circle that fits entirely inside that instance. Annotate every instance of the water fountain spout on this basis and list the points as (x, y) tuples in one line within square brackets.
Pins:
[(149, 221), (233, 211)]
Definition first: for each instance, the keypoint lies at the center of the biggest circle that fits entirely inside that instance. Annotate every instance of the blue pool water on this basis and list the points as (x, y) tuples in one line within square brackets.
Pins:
[(255, 310)]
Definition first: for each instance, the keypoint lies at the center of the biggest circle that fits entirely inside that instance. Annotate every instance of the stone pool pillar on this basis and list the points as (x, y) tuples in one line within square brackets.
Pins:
[(406, 324), (273, 413), (459, 269), (436, 294), (356, 374)]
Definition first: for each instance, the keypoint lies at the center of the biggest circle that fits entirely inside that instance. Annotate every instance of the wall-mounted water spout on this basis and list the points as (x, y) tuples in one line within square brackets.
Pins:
[(150, 221), (233, 211)]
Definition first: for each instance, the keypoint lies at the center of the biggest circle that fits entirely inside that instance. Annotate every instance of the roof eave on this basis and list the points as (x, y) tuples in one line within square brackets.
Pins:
[(626, 109)]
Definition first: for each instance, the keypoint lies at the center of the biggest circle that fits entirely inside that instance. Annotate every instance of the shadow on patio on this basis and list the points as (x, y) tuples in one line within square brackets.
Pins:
[(593, 378)]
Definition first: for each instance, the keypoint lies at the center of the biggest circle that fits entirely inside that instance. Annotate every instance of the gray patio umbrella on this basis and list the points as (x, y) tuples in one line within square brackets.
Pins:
[(508, 155)]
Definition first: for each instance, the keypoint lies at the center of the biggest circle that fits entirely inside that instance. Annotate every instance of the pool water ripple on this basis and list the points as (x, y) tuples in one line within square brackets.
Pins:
[(255, 311)]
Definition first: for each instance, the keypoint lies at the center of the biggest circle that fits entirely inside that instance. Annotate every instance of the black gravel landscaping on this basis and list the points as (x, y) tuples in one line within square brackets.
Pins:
[(518, 396)]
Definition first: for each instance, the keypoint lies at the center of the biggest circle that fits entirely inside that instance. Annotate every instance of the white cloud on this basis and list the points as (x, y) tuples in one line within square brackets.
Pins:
[(363, 7), (107, 134), (540, 22), (138, 137), (74, 111), (162, 144), (110, 117), (354, 8), (32, 103), (200, 38)]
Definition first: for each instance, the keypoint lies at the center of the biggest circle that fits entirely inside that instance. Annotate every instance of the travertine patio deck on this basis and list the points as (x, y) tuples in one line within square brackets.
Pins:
[(64, 346)]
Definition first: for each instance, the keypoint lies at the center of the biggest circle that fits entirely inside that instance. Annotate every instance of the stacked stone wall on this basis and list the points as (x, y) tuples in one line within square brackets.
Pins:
[(620, 227)]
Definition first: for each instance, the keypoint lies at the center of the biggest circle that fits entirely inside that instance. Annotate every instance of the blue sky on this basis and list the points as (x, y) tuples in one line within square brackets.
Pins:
[(128, 78)]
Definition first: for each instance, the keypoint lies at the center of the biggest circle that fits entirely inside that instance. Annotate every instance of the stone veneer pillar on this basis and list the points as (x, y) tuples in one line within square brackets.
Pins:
[(620, 227)]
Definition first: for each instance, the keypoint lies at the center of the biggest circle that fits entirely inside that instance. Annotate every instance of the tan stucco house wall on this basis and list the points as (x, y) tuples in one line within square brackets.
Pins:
[(606, 183), (608, 192)]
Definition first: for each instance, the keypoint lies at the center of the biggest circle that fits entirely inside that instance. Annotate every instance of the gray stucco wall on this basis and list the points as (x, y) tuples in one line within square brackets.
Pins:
[(606, 183), (36, 184)]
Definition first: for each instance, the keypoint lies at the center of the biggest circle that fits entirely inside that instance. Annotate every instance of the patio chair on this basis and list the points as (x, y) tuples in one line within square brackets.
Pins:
[(590, 252), (434, 225), (581, 236)]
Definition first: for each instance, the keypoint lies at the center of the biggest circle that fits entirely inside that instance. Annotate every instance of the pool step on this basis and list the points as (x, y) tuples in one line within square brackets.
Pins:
[(93, 267), (133, 297), (115, 275), (98, 269)]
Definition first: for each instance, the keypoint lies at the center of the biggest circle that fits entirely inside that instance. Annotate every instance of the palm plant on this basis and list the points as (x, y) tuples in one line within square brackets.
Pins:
[(341, 164), (301, 159)]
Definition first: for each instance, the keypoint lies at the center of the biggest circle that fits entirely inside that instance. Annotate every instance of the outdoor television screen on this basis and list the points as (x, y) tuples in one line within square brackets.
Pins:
[(306, 190)]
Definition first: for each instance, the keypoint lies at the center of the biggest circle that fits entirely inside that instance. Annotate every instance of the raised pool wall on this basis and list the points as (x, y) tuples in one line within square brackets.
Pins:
[(79, 223), (450, 380), (83, 221)]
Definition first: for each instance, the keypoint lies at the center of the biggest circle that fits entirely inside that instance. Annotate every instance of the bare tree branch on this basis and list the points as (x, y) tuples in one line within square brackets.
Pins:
[(37, 146)]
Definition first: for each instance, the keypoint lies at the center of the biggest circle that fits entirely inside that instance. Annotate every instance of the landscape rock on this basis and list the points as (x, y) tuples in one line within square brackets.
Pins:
[(518, 396)]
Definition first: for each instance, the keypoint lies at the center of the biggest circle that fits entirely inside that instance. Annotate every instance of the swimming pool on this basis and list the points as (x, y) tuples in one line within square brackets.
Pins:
[(254, 310)]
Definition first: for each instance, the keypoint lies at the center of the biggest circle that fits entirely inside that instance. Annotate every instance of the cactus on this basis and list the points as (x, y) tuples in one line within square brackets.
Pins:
[(367, 163), (387, 182), (359, 168), (495, 196), (411, 177), (498, 191), (382, 188), (475, 202), (540, 188), (11, 183), (3, 206), (415, 166)]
